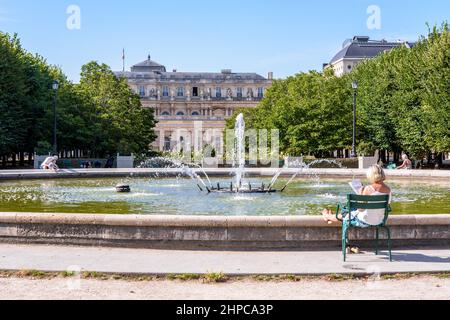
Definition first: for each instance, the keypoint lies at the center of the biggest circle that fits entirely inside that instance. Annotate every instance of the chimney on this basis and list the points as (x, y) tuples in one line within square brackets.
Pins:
[(270, 75)]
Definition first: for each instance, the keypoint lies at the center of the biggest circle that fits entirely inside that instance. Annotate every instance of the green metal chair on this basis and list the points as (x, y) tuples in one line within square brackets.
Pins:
[(356, 202)]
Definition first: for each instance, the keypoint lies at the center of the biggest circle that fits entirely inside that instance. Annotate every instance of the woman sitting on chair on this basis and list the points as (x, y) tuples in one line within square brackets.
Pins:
[(371, 217)]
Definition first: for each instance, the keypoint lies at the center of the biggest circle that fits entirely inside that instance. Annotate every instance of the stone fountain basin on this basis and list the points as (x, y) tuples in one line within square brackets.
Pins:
[(215, 232)]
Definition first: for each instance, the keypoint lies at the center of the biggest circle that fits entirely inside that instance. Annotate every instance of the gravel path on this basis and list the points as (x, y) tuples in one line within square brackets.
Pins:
[(424, 287)]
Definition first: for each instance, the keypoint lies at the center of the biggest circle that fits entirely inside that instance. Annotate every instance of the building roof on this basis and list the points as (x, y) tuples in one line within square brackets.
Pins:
[(148, 63), (363, 48), (193, 76), (148, 66), (152, 70)]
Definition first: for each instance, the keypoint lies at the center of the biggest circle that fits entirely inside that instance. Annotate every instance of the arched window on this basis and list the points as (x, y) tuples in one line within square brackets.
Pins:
[(165, 113), (180, 113), (195, 113)]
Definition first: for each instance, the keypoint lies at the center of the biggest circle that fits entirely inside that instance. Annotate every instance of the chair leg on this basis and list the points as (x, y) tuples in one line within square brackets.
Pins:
[(377, 240), (389, 243), (344, 241)]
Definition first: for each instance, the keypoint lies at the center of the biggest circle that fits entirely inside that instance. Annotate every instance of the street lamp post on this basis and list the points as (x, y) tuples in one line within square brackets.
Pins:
[(355, 88), (55, 87)]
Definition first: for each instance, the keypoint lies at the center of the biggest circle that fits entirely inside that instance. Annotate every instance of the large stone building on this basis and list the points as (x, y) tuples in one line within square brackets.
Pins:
[(185, 102), (359, 49)]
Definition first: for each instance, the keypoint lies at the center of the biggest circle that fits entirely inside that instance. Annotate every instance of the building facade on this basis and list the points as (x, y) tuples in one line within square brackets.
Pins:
[(359, 49), (187, 102)]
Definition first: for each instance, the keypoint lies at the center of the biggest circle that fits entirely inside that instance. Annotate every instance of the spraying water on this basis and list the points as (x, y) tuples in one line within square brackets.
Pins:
[(275, 178), (204, 172), (239, 151), (163, 162), (304, 167)]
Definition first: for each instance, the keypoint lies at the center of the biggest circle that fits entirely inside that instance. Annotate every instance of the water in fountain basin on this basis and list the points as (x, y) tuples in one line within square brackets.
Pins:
[(178, 197)]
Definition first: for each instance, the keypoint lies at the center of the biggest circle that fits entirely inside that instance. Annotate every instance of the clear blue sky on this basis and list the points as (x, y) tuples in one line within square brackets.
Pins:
[(283, 36)]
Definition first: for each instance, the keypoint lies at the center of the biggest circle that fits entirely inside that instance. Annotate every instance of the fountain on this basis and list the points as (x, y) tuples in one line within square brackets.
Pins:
[(238, 184)]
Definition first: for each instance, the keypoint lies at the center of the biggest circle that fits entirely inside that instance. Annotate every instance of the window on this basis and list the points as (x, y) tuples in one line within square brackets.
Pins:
[(239, 92), (165, 113), (180, 92), (218, 92), (180, 113), (167, 144), (142, 91), (260, 92), (195, 114), (195, 91), (165, 91)]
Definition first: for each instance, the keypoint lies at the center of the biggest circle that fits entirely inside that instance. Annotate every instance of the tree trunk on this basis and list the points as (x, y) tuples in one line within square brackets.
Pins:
[(14, 160), (22, 159), (440, 159), (383, 156)]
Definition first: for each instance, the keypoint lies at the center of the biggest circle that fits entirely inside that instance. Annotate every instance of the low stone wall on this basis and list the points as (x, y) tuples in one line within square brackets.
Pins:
[(187, 232)]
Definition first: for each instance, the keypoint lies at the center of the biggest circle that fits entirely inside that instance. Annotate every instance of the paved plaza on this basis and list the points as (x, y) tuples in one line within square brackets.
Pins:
[(239, 263)]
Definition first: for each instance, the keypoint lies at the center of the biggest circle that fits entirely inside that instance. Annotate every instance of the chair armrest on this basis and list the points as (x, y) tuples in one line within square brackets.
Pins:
[(340, 209)]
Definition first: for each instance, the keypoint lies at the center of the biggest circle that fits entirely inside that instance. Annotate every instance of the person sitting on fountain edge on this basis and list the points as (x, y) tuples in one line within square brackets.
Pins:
[(371, 217), (407, 164), (50, 163)]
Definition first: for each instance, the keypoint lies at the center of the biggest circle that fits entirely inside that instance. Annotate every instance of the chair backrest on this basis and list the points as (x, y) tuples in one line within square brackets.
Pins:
[(357, 202)]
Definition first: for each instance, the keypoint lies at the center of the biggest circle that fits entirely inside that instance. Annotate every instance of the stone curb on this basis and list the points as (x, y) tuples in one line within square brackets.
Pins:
[(203, 221), (262, 172)]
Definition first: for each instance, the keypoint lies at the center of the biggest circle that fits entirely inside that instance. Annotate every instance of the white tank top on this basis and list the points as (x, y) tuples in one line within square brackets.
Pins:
[(373, 217)]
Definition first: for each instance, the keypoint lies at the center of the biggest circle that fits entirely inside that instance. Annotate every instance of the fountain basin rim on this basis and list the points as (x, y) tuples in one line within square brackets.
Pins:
[(203, 221), (221, 172)]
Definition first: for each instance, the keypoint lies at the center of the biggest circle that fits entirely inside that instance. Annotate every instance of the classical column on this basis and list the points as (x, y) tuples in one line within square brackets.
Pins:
[(162, 136)]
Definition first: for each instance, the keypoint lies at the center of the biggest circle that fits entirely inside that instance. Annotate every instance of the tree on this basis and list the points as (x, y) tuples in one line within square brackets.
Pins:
[(124, 126), (99, 116), (403, 104)]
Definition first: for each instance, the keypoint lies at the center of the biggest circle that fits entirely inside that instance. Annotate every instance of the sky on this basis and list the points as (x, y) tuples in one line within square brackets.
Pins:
[(282, 36)]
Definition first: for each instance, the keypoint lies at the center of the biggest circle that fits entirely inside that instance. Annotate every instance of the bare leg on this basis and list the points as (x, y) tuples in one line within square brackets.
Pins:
[(329, 217)]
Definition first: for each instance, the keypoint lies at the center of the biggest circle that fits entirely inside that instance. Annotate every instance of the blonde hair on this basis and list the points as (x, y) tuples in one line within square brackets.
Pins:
[(376, 174)]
